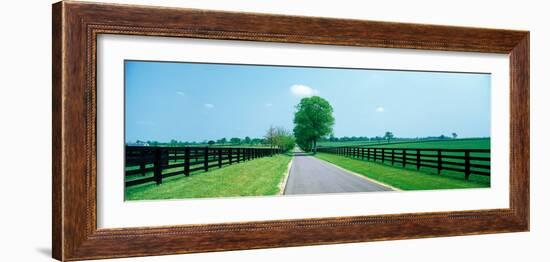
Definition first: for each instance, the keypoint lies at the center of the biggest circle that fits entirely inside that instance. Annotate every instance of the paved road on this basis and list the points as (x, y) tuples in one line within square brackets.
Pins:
[(309, 175)]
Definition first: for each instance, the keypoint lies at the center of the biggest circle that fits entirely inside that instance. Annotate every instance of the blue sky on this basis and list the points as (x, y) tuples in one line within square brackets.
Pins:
[(197, 102)]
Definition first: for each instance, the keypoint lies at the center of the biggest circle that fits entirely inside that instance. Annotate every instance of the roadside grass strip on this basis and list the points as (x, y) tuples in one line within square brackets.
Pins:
[(403, 178), (260, 177)]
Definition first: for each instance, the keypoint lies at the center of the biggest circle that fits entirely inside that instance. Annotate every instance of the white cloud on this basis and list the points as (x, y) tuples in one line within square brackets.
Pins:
[(303, 91), (180, 93), (268, 105), (208, 106), (379, 109)]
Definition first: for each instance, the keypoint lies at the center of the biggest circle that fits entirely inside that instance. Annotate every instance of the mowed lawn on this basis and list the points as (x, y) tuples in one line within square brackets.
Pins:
[(402, 178), (259, 177)]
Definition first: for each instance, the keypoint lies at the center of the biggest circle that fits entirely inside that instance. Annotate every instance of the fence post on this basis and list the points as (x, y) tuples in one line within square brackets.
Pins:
[(392, 156), (418, 159), (467, 168), (230, 155), (142, 163), (174, 160), (362, 153), (186, 161), (157, 166), (238, 155), (383, 154), (220, 155), (165, 156), (375, 154), (404, 157), (439, 162), (196, 156), (206, 159)]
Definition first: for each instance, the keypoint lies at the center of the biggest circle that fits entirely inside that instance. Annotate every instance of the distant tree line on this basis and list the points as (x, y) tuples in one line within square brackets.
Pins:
[(282, 138), (276, 137), (388, 136), (222, 141)]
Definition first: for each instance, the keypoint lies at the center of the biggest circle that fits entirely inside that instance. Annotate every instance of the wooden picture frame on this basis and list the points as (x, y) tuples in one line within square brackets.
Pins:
[(76, 26)]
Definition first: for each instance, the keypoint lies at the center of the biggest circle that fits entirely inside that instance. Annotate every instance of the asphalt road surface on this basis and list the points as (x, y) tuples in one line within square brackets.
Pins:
[(309, 175)]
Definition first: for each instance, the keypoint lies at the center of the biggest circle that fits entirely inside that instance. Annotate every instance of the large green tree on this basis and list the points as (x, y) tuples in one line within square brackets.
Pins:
[(313, 120)]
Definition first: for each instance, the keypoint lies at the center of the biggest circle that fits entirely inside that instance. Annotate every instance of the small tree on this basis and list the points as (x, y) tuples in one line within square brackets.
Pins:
[(247, 140), (270, 136), (280, 137), (222, 141), (211, 142), (388, 136), (454, 135), (235, 140)]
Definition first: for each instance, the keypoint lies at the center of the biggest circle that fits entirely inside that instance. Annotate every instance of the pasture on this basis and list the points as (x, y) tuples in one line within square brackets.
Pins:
[(461, 143), (448, 160), (466, 143)]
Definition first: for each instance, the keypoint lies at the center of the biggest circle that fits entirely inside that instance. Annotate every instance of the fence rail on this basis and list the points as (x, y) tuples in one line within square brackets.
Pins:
[(164, 162), (467, 161)]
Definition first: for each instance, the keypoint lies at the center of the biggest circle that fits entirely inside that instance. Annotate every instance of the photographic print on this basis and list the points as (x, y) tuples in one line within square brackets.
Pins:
[(200, 130), (207, 130)]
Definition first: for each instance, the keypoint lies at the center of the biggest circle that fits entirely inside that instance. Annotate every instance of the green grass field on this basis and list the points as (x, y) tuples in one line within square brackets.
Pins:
[(348, 143), (479, 143), (467, 143), (461, 143), (403, 178), (259, 177)]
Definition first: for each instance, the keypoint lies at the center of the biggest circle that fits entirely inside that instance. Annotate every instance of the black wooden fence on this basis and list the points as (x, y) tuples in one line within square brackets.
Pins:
[(467, 161), (163, 162)]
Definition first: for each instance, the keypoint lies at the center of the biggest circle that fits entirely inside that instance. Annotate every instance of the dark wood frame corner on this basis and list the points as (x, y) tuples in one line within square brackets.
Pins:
[(76, 26)]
